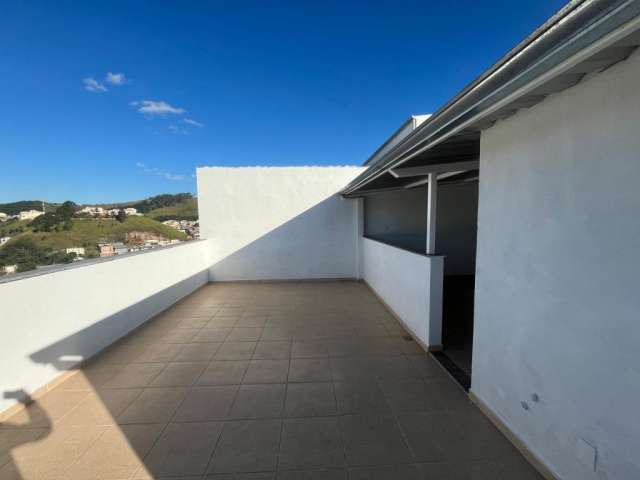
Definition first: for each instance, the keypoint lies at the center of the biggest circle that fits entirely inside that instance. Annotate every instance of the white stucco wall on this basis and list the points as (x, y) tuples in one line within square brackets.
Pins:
[(557, 302), (268, 223), (51, 321), (410, 283)]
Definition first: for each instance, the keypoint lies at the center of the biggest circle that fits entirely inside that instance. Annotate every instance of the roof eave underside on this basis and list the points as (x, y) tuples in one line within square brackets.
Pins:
[(584, 37)]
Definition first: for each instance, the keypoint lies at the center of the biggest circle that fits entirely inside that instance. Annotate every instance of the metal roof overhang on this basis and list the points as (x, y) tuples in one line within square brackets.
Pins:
[(586, 36)]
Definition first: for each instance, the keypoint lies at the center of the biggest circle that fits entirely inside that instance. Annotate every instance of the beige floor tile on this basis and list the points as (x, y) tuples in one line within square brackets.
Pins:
[(117, 454), (179, 374), (222, 322), (153, 405), (47, 409), (235, 351), (244, 334), (12, 439), (272, 350), (135, 375), (209, 335), (197, 352), (234, 365), (196, 322), (159, 353), (90, 377), (101, 408), (52, 455), (206, 404), (180, 335), (184, 449), (224, 373)]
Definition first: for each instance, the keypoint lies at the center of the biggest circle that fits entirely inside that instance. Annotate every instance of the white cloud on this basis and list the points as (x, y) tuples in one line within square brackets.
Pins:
[(160, 173), (176, 129), (190, 121), (116, 78), (153, 108), (92, 85), (171, 177)]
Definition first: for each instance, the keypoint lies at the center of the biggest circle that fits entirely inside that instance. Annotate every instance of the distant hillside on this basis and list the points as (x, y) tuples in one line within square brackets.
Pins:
[(179, 206), (153, 203), (13, 227), (14, 208), (186, 210), (88, 233)]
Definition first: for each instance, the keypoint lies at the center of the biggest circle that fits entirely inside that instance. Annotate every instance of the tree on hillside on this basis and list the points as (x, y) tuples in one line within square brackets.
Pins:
[(66, 211), (121, 216), (27, 254), (44, 223), (58, 220), (23, 252), (159, 201)]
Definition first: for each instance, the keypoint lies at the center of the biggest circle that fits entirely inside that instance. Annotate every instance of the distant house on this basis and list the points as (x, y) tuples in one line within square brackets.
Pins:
[(91, 211), (189, 227), (29, 214), (106, 249), (79, 251), (131, 211), (4, 217), (10, 269), (172, 223), (113, 212), (4, 240), (120, 248)]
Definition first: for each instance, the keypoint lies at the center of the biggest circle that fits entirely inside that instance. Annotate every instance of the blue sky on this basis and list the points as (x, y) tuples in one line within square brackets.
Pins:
[(266, 83)]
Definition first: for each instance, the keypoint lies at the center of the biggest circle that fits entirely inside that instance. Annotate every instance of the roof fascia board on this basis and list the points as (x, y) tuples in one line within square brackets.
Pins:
[(434, 168), (414, 121), (625, 19)]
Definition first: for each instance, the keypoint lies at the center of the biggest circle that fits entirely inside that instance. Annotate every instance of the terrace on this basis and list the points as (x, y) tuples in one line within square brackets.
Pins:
[(260, 380), (299, 338)]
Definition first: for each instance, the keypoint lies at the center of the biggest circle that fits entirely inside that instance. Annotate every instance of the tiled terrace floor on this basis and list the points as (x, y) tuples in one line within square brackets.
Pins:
[(260, 381)]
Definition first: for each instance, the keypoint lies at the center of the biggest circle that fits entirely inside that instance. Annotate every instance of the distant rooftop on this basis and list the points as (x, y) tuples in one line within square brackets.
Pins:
[(409, 125)]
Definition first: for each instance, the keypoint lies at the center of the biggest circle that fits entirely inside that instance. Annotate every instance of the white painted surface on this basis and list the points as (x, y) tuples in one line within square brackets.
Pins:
[(557, 306), (432, 213), (411, 284), (51, 321), (360, 218), (268, 223)]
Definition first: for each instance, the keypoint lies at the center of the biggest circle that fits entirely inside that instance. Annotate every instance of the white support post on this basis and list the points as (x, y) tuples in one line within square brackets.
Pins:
[(432, 198), (359, 223)]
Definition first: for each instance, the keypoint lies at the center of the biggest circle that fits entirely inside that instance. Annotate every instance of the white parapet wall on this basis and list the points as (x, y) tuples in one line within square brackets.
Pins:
[(410, 284), (278, 223), (52, 321), (557, 311)]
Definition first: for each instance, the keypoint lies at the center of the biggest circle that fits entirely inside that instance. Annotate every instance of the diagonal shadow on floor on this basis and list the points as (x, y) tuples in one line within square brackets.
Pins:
[(258, 380)]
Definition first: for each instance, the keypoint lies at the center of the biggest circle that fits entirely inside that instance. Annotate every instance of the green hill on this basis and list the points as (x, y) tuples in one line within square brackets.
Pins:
[(88, 233), (179, 206), (185, 210), (14, 208), (152, 203), (13, 227), (43, 240)]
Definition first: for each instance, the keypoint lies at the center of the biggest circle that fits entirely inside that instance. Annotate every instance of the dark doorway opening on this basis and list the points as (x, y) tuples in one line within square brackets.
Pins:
[(456, 234), (457, 324)]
